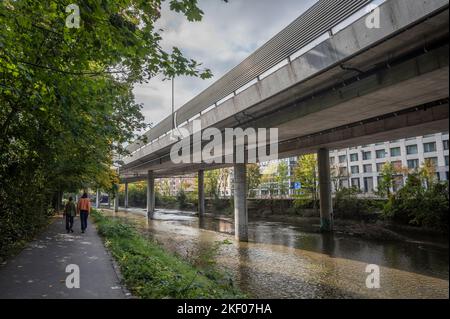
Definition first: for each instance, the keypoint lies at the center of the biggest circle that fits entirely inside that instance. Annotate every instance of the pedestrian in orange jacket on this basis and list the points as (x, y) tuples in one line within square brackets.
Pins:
[(84, 208)]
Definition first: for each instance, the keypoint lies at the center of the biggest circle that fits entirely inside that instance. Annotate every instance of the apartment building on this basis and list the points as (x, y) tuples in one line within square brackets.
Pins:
[(361, 166)]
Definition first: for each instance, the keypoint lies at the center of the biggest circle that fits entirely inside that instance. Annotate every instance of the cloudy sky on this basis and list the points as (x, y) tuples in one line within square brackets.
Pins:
[(227, 35)]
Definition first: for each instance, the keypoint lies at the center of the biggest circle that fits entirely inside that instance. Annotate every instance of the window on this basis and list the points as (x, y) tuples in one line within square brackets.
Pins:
[(433, 160), (367, 156), (368, 184), (380, 167), (344, 183), (429, 147), (413, 164), (379, 180), (412, 149), (356, 183), (368, 168), (342, 159), (396, 151), (355, 169), (354, 157), (381, 153), (446, 160), (343, 171), (445, 143)]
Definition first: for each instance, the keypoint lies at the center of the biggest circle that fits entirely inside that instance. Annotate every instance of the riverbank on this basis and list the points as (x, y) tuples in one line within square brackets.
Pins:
[(149, 271), (372, 230), (281, 260)]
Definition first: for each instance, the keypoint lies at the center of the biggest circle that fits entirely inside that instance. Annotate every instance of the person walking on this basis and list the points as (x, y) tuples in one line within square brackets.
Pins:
[(70, 211), (84, 208)]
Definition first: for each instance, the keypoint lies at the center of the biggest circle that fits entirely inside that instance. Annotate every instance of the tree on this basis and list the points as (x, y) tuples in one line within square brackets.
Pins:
[(387, 181), (164, 187), (253, 179), (388, 177), (428, 172), (306, 173), (66, 96), (268, 179), (282, 179), (336, 177), (418, 205), (212, 183)]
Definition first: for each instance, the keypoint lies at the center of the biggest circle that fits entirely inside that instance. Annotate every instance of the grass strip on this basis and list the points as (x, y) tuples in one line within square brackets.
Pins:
[(151, 272)]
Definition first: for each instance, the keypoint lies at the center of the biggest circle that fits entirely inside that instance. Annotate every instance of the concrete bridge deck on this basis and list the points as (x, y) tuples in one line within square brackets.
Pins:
[(359, 85), (356, 75)]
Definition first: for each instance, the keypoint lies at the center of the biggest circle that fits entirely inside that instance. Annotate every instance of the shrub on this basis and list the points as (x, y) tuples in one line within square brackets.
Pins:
[(182, 199), (347, 205), (414, 204)]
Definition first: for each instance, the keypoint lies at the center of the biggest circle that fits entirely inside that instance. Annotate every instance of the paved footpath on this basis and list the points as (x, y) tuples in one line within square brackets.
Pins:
[(39, 271)]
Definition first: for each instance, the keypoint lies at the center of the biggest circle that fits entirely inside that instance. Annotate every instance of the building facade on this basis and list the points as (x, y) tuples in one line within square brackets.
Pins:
[(361, 166)]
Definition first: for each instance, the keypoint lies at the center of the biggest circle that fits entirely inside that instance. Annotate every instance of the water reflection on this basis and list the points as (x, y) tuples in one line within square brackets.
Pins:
[(285, 261)]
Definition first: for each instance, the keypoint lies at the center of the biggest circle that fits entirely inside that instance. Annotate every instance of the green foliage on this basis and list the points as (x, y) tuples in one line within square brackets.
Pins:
[(347, 205), (418, 205), (182, 199), (206, 260), (282, 178), (306, 174), (212, 183), (386, 182), (253, 179), (151, 272), (137, 194), (428, 172), (66, 97)]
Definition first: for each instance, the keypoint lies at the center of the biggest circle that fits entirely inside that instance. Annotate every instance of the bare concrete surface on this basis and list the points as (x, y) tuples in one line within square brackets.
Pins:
[(39, 271)]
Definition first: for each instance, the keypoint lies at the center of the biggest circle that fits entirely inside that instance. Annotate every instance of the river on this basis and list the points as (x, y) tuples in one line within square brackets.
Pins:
[(283, 260)]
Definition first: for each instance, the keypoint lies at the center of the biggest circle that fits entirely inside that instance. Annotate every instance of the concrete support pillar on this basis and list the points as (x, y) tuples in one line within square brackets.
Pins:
[(150, 194), (201, 192), (326, 205), (97, 199), (126, 195), (240, 202)]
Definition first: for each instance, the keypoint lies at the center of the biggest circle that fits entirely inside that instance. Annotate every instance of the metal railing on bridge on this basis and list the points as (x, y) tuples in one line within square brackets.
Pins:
[(320, 19)]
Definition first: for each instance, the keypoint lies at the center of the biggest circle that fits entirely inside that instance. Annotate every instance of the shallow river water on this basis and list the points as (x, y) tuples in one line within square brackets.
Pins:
[(285, 261)]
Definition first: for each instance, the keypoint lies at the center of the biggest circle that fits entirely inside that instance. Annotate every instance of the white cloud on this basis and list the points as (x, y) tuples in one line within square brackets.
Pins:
[(227, 35)]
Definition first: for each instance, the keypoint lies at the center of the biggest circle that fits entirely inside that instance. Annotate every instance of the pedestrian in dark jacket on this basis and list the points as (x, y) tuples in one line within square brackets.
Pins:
[(70, 211)]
